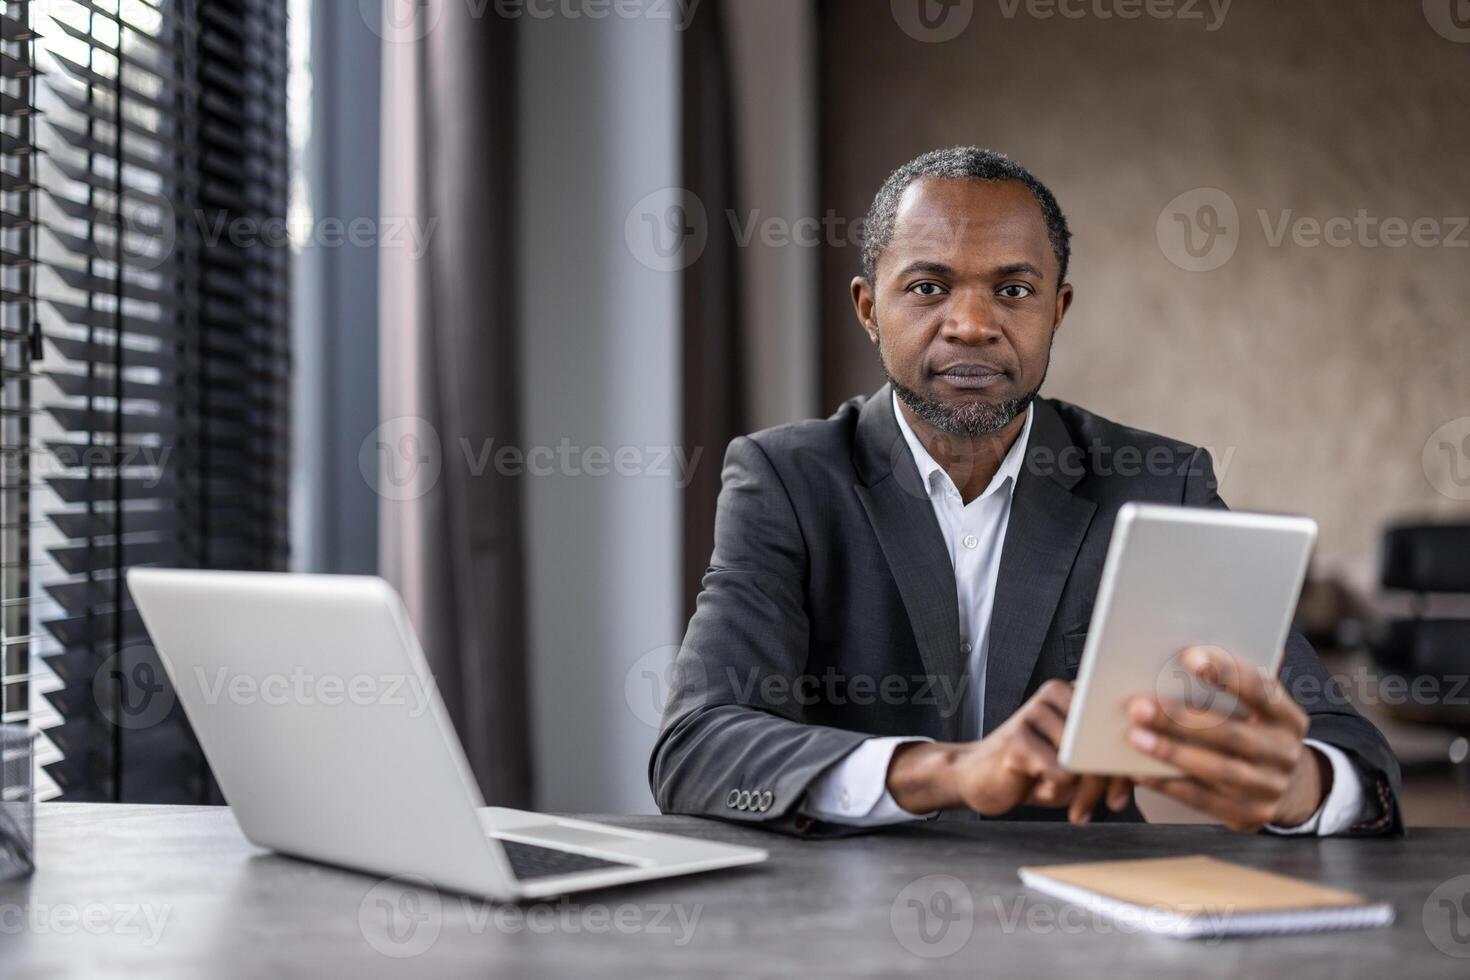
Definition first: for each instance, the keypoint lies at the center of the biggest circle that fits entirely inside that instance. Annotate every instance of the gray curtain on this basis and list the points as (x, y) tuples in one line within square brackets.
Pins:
[(450, 541), (713, 355)]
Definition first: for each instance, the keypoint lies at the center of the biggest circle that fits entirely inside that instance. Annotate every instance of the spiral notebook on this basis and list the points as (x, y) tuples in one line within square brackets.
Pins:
[(1199, 897)]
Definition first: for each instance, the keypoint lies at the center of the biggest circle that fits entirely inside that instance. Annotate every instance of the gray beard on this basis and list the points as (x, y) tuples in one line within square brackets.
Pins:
[(975, 418)]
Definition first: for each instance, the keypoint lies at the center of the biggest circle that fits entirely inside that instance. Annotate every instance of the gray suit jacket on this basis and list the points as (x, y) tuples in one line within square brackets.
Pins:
[(828, 613)]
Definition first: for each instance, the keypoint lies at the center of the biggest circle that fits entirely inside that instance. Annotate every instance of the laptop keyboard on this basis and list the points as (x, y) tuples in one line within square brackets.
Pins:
[(531, 861)]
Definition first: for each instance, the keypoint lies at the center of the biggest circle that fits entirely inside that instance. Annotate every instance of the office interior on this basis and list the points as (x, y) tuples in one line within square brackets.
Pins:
[(474, 261), (473, 297)]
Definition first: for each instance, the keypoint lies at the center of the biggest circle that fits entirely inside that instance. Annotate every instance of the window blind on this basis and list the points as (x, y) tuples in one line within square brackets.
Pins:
[(158, 360), (17, 305)]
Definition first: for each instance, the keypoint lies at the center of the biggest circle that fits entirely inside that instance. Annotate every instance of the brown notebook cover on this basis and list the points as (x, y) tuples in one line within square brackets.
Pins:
[(1199, 895)]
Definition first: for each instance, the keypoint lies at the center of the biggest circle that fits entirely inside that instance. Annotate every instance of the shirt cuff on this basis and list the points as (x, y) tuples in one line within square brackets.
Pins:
[(1344, 803), (854, 792)]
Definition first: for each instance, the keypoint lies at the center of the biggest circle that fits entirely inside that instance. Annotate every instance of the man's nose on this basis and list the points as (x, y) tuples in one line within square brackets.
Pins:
[(971, 319)]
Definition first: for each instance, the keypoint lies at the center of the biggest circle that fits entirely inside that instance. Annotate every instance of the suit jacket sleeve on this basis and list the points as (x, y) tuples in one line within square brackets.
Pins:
[(729, 745), (1333, 718)]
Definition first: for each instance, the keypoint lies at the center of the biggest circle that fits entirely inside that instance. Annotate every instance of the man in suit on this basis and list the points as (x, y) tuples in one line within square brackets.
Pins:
[(899, 594)]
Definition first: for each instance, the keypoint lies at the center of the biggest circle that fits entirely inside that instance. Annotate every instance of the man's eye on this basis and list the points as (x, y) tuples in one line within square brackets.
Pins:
[(1015, 290), (926, 288)]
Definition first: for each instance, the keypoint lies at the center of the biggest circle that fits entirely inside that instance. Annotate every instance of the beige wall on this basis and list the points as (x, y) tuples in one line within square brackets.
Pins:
[(1322, 370)]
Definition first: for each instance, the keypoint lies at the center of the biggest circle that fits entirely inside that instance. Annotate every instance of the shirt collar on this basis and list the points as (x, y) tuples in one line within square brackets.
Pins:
[(1010, 467)]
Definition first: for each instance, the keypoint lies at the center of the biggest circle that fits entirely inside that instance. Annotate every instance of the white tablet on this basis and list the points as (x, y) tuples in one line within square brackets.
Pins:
[(1176, 577)]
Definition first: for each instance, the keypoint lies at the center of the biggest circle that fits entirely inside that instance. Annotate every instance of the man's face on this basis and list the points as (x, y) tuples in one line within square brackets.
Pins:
[(965, 302)]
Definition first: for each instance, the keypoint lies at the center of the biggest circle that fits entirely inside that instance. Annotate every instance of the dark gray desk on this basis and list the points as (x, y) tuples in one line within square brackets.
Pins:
[(176, 891)]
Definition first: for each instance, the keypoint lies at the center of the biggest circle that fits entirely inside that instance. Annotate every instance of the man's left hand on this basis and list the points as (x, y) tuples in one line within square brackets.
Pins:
[(1250, 769)]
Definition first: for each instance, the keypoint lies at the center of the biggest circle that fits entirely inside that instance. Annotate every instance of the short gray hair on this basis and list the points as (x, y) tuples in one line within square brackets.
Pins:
[(958, 163)]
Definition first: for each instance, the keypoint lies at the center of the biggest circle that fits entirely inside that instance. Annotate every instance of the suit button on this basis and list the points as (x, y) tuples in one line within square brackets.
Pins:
[(766, 800), (965, 648), (732, 798), (744, 803)]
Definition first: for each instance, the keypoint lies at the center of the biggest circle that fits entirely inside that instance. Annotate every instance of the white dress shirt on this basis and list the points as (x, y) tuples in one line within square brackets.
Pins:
[(855, 792)]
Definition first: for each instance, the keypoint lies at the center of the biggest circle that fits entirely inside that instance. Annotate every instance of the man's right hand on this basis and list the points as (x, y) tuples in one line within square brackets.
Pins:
[(1015, 764)]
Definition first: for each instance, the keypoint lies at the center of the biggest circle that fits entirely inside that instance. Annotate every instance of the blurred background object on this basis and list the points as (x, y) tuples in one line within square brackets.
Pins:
[(17, 802), (1425, 656)]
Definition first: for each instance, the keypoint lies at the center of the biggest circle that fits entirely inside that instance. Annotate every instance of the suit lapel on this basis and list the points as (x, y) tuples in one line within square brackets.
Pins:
[(897, 505), (1046, 528)]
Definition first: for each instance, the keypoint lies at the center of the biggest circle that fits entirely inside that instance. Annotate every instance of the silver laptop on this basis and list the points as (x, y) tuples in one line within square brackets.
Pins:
[(316, 710)]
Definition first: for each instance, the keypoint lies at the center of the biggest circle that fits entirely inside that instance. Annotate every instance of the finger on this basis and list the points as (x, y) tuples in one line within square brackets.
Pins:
[(1055, 710), (1046, 792), (1270, 744), (1055, 693), (1090, 790), (1259, 691), (1210, 767), (1234, 813), (1120, 792), (1047, 722), (1036, 759), (1031, 756)]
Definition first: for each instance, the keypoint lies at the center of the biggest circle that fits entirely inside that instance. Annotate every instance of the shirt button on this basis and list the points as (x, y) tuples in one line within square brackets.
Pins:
[(846, 800), (965, 648), (970, 541)]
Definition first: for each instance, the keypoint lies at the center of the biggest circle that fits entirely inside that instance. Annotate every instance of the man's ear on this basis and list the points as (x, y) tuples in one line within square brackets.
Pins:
[(862, 304), (1064, 303)]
